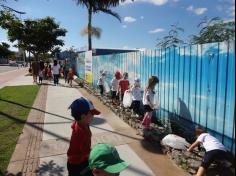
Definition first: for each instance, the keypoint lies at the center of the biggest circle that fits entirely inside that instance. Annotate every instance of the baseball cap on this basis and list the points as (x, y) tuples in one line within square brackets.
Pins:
[(83, 105), (106, 157)]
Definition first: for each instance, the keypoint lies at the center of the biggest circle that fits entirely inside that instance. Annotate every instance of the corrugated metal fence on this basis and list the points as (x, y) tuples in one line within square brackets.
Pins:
[(197, 83)]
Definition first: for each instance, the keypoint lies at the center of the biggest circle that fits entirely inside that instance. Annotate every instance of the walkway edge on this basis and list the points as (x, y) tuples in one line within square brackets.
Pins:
[(25, 159)]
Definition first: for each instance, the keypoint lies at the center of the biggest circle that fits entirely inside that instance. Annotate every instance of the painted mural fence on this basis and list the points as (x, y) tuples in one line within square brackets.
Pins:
[(196, 87)]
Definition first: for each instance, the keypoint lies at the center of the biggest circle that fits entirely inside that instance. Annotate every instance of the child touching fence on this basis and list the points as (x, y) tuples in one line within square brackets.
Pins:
[(115, 87), (136, 93), (123, 85), (148, 100)]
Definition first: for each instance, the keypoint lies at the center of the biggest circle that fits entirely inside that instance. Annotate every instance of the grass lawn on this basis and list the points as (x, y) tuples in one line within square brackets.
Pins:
[(12, 118)]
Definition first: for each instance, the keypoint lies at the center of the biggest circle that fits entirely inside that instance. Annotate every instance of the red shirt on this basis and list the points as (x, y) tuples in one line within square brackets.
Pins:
[(80, 144), (70, 75), (124, 85)]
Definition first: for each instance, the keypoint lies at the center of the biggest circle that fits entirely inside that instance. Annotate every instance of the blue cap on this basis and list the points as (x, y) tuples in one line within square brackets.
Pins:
[(83, 105)]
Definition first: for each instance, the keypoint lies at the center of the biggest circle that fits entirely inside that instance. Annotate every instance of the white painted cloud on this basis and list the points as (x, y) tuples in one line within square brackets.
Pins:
[(156, 30), (124, 26), (129, 19), (155, 2), (142, 17), (197, 11)]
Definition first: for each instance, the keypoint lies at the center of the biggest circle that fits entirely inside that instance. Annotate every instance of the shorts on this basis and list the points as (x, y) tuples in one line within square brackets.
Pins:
[(147, 108), (211, 156), (114, 95)]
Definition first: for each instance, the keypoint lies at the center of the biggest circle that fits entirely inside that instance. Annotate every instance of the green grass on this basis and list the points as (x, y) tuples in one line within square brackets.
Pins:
[(15, 103)]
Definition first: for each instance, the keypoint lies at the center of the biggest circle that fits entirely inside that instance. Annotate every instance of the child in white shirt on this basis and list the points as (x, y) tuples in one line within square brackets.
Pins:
[(136, 93)]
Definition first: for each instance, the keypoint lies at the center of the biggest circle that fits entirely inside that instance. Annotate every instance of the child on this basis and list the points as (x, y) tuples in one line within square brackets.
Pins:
[(40, 76), (82, 110), (123, 85), (214, 149), (136, 93), (49, 73), (148, 100), (104, 160), (70, 76), (101, 82), (115, 87)]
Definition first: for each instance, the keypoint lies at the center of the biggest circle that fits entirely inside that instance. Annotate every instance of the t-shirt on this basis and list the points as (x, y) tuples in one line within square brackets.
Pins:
[(149, 93), (70, 75), (80, 144), (210, 143), (114, 84), (101, 80), (136, 93), (124, 85), (56, 69)]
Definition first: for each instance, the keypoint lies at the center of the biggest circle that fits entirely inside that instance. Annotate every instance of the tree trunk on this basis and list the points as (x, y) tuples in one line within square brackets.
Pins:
[(89, 28)]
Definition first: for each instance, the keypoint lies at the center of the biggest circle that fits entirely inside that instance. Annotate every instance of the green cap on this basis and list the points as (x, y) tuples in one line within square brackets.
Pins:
[(106, 157)]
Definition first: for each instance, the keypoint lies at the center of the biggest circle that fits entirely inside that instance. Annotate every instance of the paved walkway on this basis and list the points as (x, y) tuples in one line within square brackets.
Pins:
[(46, 135)]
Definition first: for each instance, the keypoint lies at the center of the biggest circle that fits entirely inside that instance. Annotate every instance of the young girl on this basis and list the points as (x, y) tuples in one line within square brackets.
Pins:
[(136, 93), (40, 76), (148, 100), (115, 87), (70, 76), (123, 85), (101, 82)]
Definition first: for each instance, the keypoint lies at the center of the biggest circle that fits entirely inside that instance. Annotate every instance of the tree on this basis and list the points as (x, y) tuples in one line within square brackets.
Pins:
[(4, 50), (95, 6), (5, 7), (171, 40), (36, 36), (214, 30)]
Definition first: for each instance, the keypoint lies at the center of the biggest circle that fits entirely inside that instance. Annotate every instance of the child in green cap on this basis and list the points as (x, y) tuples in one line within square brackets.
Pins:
[(104, 160)]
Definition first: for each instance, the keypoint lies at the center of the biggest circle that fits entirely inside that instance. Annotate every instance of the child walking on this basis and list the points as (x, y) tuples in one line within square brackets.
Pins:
[(148, 100), (136, 93), (101, 82), (115, 87), (82, 110), (70, 76), (123, 85), (40, 76)]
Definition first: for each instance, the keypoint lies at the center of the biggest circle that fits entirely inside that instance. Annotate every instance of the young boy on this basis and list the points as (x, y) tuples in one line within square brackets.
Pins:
[(214, 149), (104, 160), (82, 110)]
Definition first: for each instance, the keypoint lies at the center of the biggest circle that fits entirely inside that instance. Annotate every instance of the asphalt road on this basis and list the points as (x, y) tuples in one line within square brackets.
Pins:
[(7, 68)]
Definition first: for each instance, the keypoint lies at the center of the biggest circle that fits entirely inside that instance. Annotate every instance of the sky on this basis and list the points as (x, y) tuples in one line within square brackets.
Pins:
[(142, 21)]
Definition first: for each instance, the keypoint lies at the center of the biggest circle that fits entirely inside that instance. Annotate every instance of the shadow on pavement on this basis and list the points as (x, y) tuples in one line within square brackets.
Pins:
[(151, 147), (98, 121), (10, 174), (35, 109), (50, 168)]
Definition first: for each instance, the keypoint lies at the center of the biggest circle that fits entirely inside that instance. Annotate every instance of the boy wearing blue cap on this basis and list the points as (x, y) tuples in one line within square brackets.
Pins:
[(82, 110)]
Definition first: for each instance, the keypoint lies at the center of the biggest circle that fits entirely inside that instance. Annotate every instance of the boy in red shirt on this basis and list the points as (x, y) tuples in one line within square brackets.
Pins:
[(123, 85), (80, 144)]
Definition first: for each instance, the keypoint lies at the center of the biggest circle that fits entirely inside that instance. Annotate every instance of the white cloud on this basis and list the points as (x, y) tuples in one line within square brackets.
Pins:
[(124, 26), (197, 11), (156, 30), (155, 2), (142, 17), (129, 19)]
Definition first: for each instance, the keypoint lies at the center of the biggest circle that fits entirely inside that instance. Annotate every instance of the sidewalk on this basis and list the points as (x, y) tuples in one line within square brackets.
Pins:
[(45, 139)]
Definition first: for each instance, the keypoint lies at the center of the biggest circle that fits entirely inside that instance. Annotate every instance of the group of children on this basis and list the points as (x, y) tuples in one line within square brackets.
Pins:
[(54, 72), (120, 86), (103, 159)]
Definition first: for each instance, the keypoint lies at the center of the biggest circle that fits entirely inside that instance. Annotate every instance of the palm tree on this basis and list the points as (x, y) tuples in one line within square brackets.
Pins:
[(95, 6)]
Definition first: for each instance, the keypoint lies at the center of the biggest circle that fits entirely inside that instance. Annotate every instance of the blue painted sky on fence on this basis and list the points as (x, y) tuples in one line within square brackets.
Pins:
[(143, 21)]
